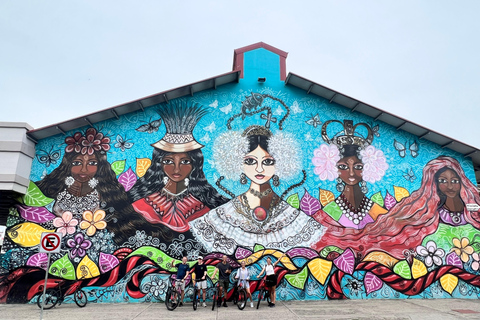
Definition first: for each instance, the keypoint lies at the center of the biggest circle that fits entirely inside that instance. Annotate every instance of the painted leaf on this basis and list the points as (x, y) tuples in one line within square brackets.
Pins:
[(326, 197), (418, 269), (107, 262), (302, 252), (210, 270), (449, 282), (333, 210), (372, 282), (127, 179), (34, 197), (346, 261), (258, 247), (13, 217), (294, 201), (159, 257), (63, 268), (382, 258), (453, 260), (27, 234), (118, 166), (87, 269), (142, 166), (400, 193), (309, 204), (242, 253), (403, 269), (390, 201), (378, 199), (35, 214), (298, 280), (326, 251), (320, 269), (38, 260)]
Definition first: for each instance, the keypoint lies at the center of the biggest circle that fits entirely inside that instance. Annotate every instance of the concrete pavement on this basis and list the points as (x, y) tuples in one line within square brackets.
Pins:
[(438, 309)]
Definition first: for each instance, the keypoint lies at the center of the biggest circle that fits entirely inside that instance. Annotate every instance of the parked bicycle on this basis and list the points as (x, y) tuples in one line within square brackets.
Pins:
[(216, 294), (240, 296), (263, 293), (55, 296), (172, 297), (195, 297)]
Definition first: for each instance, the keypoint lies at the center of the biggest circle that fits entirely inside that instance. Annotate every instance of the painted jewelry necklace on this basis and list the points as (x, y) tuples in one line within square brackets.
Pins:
[(261, 195), (259, 213), (356, 215)]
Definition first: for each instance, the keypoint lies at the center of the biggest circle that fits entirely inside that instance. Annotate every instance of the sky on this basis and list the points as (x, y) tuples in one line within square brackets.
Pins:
[(416, 59)]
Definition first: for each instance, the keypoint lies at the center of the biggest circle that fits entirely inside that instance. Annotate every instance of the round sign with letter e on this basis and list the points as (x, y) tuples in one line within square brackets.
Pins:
[(50, 242)]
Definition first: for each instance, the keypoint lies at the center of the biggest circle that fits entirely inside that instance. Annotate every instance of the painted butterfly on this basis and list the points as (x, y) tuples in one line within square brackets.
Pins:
[(314, 121), (48, 158), (150, 127), (123, 143), (409, 175), (402, 150), (210, 127)]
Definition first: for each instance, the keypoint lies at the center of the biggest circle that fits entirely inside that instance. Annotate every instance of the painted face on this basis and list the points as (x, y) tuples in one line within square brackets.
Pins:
[(84, 167), (350, 170), (449, 183), (177, 166), (259, 166)]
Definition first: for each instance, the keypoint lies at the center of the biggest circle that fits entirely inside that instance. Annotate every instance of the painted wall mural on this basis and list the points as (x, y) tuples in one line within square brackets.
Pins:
[(360, 209)]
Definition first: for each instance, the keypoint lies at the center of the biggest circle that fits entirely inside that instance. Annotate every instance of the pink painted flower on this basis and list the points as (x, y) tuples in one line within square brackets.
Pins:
[(65, 224), (74, 143), (476, 261), (95, 141), (325, 161), (375, 164)]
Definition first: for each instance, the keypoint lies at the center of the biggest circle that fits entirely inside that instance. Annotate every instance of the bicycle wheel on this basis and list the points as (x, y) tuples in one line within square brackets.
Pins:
[(261, 294), (171, 299), (215, 298), (235, 296), (195, 299), (51, 299), (80, 298), (242, 299)]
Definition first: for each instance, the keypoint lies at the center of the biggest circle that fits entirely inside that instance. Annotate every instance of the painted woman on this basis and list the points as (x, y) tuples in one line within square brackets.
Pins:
[(349, 157), (260, 215), (174, 189), (442, 197)]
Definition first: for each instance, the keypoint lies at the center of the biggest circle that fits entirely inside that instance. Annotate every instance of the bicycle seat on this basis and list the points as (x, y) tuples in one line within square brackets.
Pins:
[(58, 281)]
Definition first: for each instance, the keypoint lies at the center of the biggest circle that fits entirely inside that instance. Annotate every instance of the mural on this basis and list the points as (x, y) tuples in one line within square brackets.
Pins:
[(360, 209)]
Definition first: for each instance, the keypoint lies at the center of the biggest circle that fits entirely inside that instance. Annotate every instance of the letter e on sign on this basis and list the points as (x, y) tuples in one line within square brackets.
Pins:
[(50, 242)]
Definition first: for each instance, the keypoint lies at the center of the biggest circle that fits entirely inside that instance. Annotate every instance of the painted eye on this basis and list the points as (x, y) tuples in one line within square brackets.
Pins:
[(185, 161), (250, 161), (167, 161), (93, 163), (342, 167), (442, 180), (268, 162), (358, 167), (455, 181), (76, 163)]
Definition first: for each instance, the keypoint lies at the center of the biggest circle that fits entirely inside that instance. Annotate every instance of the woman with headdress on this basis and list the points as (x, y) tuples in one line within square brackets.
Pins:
[(415, 217), (258, 216), (84, 180), (174, 189), (350, 158)]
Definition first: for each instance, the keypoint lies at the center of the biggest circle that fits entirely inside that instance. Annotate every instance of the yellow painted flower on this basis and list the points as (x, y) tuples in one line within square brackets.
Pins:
[(93, 222), (463, 250)]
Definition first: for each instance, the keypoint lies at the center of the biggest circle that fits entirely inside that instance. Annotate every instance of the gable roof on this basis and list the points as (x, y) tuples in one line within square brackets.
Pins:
[(291, 79)]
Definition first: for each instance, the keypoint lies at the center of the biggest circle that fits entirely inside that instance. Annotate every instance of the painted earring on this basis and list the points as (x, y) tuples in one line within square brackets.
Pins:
[(165, 180), (243, 178), (363, 186), (275, 180), (69, 181), (93, 182), (340, 185), (186, 182)]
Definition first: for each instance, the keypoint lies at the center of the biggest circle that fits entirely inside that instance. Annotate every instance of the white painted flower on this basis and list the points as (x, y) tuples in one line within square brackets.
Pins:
[(431, 253), (325, 160)]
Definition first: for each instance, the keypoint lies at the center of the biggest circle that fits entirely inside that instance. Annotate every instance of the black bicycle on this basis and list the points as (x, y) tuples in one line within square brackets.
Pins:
[(263, 293), (53, 296), (196, 296), (240, 296), (172, 297), (216, 294)]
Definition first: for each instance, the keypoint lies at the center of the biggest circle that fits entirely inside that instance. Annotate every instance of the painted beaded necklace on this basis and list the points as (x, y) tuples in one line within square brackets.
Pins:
[(356, 215), (259, 213)]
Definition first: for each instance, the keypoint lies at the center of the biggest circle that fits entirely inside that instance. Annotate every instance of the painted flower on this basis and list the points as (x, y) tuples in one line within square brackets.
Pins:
[(74, 143), (462, 248), (93, 221), (79, 246), (65, 224), (355, 286), (325, 161), (431, 254), (94, 141), (476, 261), (156, 288), (375, 164)]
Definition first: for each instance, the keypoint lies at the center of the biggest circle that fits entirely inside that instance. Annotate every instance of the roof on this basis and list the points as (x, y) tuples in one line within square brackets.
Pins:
[(291, 79)]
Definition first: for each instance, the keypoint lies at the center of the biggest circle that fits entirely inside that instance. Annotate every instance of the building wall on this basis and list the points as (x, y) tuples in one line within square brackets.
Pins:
[(120, 245)]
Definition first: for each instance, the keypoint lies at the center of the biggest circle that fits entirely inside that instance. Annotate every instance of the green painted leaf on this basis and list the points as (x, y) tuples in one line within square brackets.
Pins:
[(325, 251), (298, 280), (34, 197), (294, 201), (159, 257), (403, 269), (476, 246), (333, 210), (258, 247), (118, 166), (378, 198), (210, 270), (63, 268)]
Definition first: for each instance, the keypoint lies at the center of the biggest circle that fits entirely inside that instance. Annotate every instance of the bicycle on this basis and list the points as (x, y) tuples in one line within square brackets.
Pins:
[(172, 297), (240, 296), (55, 296), (263, 293), (216, 294), (196, 296)]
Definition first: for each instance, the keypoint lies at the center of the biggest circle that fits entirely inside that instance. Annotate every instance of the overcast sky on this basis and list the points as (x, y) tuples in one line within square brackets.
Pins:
[(416, 59)]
